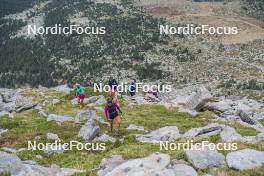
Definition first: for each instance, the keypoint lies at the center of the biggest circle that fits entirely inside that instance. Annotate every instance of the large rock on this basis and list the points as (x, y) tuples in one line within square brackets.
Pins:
[(198, 99), (85, 115), (168, 133), (105, 138), (155, 164), (135, 127), (12, 100), (60, 118), (108, 164), (23, 103), (229, 134), (4, 113), (207, 131), (183, 170), (89, 131), (3, 131), (11, 164), (63, 89), (245, 159), (52, 136), (219, 107), (205, 158), (8, 161)]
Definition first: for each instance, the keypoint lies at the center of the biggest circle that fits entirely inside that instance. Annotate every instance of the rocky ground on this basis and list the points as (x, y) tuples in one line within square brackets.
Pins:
[(192, 113)]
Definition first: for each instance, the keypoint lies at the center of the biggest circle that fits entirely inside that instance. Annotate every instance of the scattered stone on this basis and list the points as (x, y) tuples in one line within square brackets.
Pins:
[(3, 131), (63, 89), (99, 108), (55, 101), (105, 138), (155, 164), (3, 113), (85, 115), (89, 130), (183, 170), (108, 164), (39, 157), (31, 162), (207, 131), (51, 150), (135, 127), (245, 117), (203, 159), (42, 114), (168, 133), (245, 159), (60, 118), (52, 136), (9, 150), (140, 100), (101, 100)]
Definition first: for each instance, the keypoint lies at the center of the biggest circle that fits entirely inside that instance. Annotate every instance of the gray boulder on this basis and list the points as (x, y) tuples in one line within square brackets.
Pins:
[(12, 165), (245, 159), (101, 100), (245, 117), (51, 150), (183, 170), (205, 158), (135, 127), (3, 131), (63, 89), (229, 134), (155, 164), (85, 115), (207, 131), (60, 118), (89, 130), (3, 113), (8, 161), (105, 138), (52, 136), (168, 133), (108, 164)]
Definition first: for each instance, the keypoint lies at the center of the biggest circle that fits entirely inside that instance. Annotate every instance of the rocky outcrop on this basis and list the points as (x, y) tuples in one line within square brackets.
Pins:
[(207, 131), (3, 131), (105, 138), (63, 89), (168, 133), (154, 164), (108, 164), (205, 158), (52, 136), (92, 101), (13, 101), (245, 159), (60, 118), (135, 127), (12, 165), (89, 130), (85, 115)]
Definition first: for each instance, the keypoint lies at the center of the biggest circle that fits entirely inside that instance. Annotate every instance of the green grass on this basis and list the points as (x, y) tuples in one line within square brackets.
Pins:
[(154, 116), (262, 121), (244, 131)]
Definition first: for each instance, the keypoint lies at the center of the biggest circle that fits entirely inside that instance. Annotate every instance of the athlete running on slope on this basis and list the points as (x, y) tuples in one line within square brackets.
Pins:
[(112, 111), (80, 93)]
